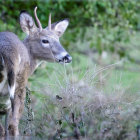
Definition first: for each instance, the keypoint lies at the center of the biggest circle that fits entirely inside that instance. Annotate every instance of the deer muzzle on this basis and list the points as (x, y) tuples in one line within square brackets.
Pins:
[(67, 59), (64, 58)]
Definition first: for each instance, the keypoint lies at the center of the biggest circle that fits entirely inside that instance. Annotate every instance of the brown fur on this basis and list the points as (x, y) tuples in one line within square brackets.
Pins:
[(20, 59), (22, 72)]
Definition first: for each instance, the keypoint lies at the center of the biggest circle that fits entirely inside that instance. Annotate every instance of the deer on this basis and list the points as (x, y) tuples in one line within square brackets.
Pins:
[(19, 59)]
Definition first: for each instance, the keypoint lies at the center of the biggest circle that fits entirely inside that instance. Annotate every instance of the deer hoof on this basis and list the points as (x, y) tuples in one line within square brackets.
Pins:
[(13, 130)]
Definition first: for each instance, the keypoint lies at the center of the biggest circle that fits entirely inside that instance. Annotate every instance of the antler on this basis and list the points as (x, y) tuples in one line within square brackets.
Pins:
[(37, 20), (49, 23)]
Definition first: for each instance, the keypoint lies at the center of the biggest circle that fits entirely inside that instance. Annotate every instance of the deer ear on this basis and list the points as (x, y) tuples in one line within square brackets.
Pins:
[(27, 23), (60, 27)]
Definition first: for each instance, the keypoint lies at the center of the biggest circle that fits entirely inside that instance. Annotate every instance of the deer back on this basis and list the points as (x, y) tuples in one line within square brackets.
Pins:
[(13, 56)]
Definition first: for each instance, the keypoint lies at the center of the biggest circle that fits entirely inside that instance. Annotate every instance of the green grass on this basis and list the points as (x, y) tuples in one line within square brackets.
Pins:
[(126, 79)]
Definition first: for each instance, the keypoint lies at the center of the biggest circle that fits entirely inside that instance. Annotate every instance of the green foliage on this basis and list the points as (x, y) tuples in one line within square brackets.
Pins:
[(106, 21)]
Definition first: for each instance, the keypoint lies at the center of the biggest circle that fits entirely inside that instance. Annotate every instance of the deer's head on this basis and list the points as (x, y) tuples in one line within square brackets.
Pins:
[(44, 43)]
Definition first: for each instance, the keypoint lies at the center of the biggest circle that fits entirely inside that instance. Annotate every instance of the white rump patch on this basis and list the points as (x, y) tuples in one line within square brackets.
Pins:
[(19, 58), (2, 84), (11, 91), (8, 104)]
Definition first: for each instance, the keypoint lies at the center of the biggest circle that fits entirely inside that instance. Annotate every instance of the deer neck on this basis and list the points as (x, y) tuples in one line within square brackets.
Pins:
[(34, 63)]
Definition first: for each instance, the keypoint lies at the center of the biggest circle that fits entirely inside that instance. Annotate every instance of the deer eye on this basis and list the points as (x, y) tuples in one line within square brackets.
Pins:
[(45, 41)]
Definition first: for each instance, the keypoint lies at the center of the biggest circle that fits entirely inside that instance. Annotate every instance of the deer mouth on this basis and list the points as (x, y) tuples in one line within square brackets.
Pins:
[(63, 61)]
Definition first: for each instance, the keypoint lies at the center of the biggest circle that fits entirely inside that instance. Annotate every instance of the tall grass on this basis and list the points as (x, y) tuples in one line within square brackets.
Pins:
[(75, 106)]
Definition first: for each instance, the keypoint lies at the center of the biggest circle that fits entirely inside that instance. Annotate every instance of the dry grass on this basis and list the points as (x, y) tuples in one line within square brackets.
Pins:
[(73, 108)]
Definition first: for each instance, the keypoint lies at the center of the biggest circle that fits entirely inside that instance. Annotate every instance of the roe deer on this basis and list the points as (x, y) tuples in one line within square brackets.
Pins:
[(18, 60)]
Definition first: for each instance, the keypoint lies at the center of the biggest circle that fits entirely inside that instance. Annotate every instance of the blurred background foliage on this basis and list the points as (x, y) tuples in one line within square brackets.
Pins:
[(107, 25), (100, 33)]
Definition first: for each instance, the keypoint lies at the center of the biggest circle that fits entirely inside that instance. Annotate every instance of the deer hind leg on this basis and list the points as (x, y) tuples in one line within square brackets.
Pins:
[(18, 109), (2, 133), (20, 92), (11, 88), (14, 120), (7, 123)]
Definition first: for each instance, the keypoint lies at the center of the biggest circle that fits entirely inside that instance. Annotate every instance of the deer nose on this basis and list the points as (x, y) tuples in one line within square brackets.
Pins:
[(67, 58)]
